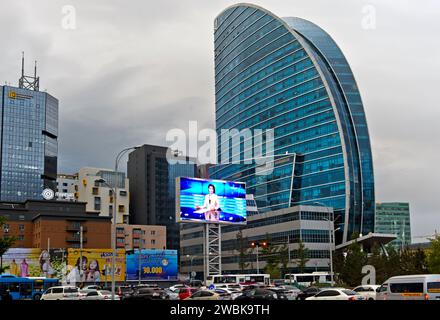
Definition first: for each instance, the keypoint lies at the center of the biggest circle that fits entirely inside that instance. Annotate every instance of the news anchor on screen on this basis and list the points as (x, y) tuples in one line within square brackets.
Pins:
[(211, 205)]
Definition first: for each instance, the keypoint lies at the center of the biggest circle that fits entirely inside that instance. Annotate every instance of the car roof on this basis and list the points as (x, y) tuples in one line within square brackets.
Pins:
[(415, 276), (367, 286)]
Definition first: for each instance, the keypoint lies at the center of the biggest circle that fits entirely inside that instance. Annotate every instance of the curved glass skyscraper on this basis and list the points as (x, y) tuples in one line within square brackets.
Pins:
[(289, 75)]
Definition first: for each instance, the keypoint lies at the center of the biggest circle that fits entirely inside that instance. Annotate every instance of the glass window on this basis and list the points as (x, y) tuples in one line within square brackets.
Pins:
[(416, 287), (434, 287)]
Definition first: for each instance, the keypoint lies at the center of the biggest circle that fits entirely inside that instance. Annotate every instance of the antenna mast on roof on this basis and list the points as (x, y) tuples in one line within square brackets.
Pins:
[(28, 82)]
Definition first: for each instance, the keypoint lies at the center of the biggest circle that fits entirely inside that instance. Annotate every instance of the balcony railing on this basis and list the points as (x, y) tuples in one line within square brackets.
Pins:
[(75, 239), (75, 228)]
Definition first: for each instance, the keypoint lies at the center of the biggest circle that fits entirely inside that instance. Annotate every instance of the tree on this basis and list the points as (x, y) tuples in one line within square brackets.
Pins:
[(270, 254), (352, 270), (5, 244), (434, 255), (284, 258), (303, 256), (412, 262), (393, 262), (379, 261), (243, 251)]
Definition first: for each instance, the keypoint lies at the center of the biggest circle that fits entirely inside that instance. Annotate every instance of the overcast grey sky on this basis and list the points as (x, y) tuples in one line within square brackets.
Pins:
[(132, 70)]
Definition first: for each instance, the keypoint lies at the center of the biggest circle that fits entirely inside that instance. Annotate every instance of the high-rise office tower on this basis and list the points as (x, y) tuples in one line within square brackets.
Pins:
[(152, 189), (289, 75), (29, 145), (394, 218)]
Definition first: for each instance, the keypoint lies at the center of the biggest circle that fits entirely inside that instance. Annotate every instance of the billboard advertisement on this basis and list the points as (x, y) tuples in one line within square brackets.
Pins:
[(34, 262), (210, 201), (96, 265), (152, 265)]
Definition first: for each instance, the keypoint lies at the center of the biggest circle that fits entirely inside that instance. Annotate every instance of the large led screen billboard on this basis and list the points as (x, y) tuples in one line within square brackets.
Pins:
[(210, 201)]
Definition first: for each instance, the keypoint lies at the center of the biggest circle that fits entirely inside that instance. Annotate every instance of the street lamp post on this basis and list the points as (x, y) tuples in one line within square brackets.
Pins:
[(191, 266), (257, 245), (114, 217), (331, 233)]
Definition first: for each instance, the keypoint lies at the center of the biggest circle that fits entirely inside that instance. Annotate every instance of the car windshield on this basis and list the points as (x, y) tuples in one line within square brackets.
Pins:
[(105, 292), (291, 288), (349, 292)]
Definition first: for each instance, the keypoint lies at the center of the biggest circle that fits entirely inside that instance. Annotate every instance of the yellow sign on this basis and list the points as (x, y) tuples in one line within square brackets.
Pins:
[(434, 290), (96, 265), (12, 94), (411, 294)]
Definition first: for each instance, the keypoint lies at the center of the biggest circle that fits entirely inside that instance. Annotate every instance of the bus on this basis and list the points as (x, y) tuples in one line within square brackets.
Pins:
[(21, 288), (238, 279), (306, 279)]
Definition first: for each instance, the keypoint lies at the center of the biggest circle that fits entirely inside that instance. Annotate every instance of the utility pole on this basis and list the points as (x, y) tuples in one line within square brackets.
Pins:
[(80, 252), (139, 260), (258, 263)]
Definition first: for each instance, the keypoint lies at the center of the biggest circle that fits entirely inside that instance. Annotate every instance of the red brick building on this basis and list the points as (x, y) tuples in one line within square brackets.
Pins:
[(39, 223)]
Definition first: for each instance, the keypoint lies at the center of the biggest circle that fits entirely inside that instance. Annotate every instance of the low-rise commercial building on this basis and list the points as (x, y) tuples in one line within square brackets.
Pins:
[(84, 186), (54, 224), (285, 227), (141, 237)]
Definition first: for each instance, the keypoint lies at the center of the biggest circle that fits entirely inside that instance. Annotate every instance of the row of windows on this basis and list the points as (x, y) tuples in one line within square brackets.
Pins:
[(292, 236), (268, 76), (277, 55), (269, 98)]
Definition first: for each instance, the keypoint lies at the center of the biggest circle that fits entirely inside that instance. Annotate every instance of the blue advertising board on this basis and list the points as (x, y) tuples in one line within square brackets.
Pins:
[(210, 201), (153, 265)]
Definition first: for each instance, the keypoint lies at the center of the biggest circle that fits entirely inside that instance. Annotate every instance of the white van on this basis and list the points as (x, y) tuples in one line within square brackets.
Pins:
[(61, 293), (414, 287)]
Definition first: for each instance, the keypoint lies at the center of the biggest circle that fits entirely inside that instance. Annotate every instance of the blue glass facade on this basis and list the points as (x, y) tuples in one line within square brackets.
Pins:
[(29, 146), (290, 76)]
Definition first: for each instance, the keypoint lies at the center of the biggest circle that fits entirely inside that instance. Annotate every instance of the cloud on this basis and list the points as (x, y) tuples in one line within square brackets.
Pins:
[(131, 71)]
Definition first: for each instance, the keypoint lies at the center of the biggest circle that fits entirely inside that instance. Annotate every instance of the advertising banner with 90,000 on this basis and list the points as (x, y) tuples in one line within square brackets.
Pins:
[(152, 265), (210, 201)]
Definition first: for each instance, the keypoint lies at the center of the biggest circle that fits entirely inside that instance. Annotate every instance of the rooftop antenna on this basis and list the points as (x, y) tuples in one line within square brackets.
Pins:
[(28, 82)]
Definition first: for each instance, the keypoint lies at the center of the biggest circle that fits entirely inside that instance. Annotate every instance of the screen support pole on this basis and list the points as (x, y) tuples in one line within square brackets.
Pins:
[(212, 250)]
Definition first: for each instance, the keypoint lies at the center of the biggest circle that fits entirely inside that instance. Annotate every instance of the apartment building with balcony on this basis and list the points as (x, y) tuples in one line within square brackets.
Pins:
[(141, 237), (98, 196)]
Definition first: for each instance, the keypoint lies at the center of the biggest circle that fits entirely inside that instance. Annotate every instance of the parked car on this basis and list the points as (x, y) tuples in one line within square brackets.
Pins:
[(92, 287), (411, 287), (278, 282), (232, 286), (337, 294), (61, 293), (291, 291), (245, 287), (228, 294), (172, 294), (145, 293), (204, 295), (122, 291), (99, 295), (84, 292), (368, 291), (257, 294), (308, 292), (281, 292), (186, 292), (178, 286)]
